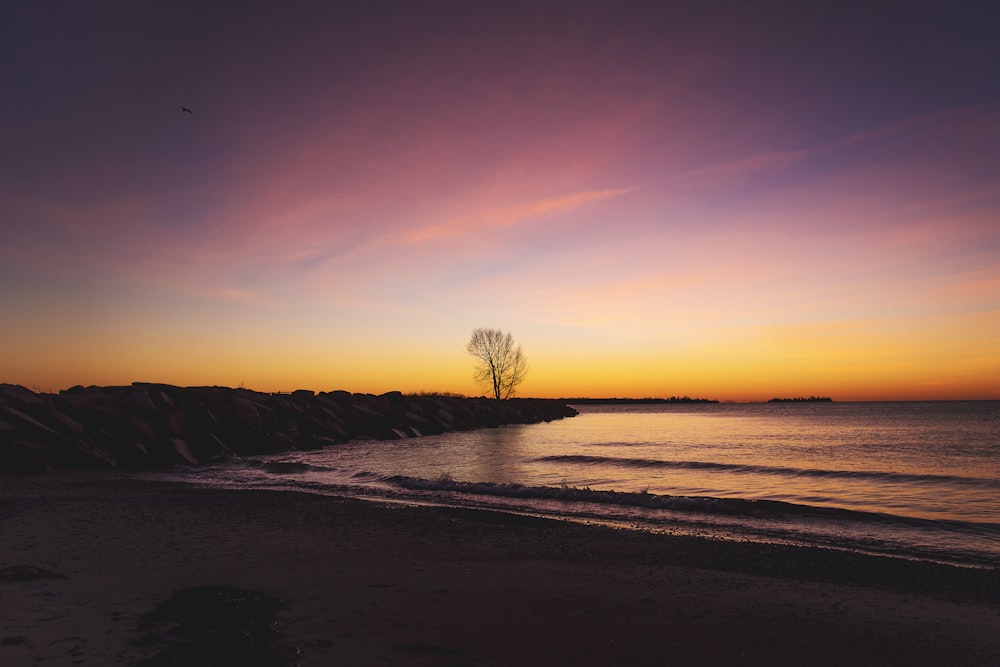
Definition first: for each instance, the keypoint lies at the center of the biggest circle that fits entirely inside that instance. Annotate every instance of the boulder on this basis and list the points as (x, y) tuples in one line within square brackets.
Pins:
[(149, 425)]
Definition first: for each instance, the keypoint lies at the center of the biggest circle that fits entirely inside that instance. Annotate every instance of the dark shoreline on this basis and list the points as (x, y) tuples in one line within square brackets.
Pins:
[(636, 546), (362, 580)]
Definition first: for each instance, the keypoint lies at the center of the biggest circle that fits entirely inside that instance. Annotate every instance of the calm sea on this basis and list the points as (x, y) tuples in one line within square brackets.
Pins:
[(919, 480)]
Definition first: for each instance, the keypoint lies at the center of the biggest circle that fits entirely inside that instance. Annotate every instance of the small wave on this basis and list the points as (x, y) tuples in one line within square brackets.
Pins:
[(287, 467), (769, 470), (299, 468), (363, 476), (738, 507), (290, 467), (647, 500)]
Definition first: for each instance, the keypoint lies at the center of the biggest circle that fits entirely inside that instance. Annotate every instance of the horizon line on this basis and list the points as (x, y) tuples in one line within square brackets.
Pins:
[(677, 399)]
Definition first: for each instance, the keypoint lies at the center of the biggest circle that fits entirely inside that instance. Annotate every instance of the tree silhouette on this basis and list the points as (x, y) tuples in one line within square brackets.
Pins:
[(500, 364)]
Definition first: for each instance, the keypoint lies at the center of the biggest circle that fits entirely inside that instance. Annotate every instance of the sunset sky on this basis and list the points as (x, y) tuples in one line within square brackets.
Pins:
[(655, 198)]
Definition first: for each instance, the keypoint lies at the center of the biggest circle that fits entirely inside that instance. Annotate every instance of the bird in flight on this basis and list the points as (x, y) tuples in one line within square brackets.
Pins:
[(186, 109)]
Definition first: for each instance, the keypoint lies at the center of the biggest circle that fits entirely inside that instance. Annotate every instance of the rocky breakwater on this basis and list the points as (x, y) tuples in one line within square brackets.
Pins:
[(145, 426)]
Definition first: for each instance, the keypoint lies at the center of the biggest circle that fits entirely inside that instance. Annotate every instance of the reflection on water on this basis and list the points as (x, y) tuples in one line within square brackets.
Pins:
[(926, 473), (499, 455), (936, 461)]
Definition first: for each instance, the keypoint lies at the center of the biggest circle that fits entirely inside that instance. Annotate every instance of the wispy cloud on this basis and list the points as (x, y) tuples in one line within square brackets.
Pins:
[(976, 118), (505, 216), (951, 128), (978, 287), (745, 165)]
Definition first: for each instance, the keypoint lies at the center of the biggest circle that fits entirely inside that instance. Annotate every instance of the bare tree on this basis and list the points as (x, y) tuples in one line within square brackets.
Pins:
[(500, 364)]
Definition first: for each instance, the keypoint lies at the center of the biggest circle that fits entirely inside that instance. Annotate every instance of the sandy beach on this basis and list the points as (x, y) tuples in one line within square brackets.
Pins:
[(370, 584)]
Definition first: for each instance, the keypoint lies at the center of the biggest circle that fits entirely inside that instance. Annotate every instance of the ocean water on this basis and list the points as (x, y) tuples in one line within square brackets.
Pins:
[(911, 479)]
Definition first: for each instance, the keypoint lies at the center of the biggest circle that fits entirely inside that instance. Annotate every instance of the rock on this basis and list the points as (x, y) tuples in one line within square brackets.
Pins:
[(148, 425)]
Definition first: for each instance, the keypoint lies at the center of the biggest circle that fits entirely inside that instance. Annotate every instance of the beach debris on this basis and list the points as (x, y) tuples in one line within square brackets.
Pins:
[(218, 626)]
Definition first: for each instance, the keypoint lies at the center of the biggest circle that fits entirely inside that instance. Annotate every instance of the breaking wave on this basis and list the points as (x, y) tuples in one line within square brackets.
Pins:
[(738, 468), (757, 509), (734, 507), (960, 542)]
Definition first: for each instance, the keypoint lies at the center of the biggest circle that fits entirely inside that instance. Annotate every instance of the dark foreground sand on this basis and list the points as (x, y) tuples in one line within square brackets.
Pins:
[(367, 584)]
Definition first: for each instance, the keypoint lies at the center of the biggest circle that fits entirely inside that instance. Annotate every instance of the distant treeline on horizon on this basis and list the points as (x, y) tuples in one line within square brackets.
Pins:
[(803, 399), (682, 400), (672, 399)]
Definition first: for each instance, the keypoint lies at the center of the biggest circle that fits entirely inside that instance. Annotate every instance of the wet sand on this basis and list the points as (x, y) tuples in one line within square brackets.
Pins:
[(371, 584)]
